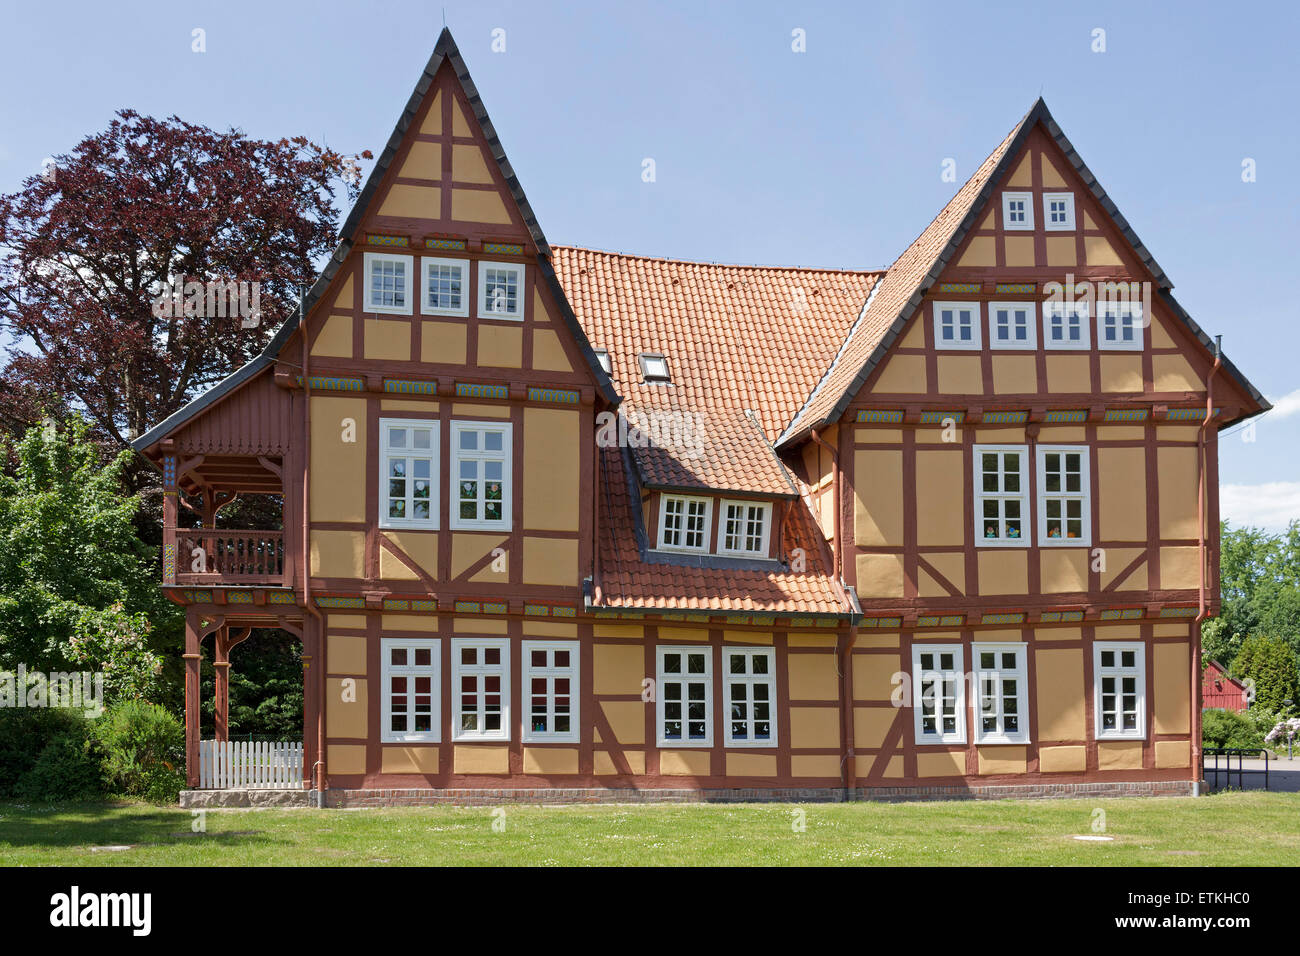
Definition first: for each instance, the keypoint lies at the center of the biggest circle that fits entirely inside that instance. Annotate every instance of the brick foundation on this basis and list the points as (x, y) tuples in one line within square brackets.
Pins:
[(600, 795)]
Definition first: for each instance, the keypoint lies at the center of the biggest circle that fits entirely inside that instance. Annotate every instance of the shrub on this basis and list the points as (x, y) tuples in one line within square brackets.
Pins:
[(47, 754), (143, 746), (1228, 728)]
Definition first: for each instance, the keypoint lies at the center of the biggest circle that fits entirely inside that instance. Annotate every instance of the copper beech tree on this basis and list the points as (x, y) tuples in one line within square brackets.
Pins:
[(92, 247)]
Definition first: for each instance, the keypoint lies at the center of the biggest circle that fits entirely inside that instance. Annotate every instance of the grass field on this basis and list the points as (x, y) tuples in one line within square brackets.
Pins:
[(1226, 829)]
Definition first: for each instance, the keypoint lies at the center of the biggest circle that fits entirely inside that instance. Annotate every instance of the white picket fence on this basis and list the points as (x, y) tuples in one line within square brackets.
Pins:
[(256, 764)]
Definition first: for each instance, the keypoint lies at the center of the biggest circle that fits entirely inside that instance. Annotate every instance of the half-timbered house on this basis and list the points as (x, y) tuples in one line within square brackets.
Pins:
[(563, 522)]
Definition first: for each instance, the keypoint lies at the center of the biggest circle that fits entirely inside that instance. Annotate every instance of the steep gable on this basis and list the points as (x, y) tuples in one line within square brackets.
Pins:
[(962, 236)]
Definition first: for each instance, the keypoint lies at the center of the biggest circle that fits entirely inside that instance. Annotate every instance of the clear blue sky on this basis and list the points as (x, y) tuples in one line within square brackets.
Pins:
[(830, 157)]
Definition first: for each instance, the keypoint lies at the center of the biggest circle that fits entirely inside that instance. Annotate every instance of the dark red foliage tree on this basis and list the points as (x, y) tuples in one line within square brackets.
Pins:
[(88, 245)]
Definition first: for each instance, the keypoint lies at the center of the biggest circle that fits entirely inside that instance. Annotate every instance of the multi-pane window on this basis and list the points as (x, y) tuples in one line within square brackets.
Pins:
[(1058, 210), (957, 325), (749, 696), (480, 681), (1012, 325), (411, 690), (388, 283), (445, 290), (481, 460), (1065, 325), (1002, 710), (684, 523), (1119, 326), (1119, 689), (551, 689), (939, 694), (500, 291), (408, 473), (684, 696), (1064, 513), (1017, 210), (745, 528), (1001, 495)]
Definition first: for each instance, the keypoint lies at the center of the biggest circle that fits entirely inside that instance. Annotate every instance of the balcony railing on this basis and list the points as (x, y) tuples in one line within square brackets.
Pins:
[(218, 556)]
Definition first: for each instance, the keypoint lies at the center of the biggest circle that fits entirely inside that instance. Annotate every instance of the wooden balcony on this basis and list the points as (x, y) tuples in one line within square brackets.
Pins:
[(212, 556)]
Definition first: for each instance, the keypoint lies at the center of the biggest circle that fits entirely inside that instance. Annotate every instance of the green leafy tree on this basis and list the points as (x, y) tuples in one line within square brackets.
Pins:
[(78, 589), (1260, 587), (1271, 664)]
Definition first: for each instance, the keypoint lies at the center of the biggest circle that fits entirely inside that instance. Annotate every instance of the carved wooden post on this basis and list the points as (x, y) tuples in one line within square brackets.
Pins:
[(169, 519)]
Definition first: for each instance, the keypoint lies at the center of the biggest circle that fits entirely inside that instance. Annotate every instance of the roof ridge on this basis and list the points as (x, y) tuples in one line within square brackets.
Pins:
[(719, 265)]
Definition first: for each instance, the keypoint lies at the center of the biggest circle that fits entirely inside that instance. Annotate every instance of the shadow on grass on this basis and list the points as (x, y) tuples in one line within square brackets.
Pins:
[(81, 824)]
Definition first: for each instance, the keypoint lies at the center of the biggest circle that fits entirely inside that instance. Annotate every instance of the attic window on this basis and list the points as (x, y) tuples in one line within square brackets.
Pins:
[(1058, 210), (602, 356), (1018, 211), (654, 367)]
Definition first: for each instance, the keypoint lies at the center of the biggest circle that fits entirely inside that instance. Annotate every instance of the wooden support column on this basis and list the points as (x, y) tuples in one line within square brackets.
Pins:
[(221, 664), (196, 628)]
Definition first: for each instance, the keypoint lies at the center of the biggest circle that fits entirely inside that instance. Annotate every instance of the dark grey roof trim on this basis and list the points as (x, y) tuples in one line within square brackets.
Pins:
[(603, 380), (445, 48), (1038, 113)]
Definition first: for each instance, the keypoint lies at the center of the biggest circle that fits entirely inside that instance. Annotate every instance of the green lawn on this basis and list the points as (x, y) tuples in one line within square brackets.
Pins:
[(1222, 830)]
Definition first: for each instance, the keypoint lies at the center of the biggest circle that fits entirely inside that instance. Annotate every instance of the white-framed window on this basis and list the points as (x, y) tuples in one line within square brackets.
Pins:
[(956, 325), (938, 694), (749, 696), (1119, 326), (1119, 690), (602, 356), (1002, 708), (500, 290), (1013, 325), (684, 696), (388, 283), (746, 528), (480, 688), (444, 286), (1066, 324), (684, 523), (408, 473), (654, 367), (410, 701), (551, 691), (1017, 210), (1058, 212), (1064, 503), (481, 463), (1001, 495)]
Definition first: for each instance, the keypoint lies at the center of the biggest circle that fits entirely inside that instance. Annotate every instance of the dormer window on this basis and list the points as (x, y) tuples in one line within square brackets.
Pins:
[(602, 356), (684, 523), (1018, 211), (1058, 210), (654, 367), (745, 527)]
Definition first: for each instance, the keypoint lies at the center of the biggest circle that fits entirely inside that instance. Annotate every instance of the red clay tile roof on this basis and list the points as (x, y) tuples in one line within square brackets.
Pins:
[(904, 280), (745, 345), (737, 339), (627, 580)]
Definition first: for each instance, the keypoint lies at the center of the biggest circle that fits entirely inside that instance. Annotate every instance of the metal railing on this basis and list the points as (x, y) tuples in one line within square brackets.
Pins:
[(1227, 770)]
